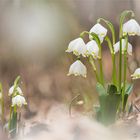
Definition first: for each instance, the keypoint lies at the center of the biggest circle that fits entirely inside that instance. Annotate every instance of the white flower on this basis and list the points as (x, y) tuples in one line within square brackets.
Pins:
[(77, 69), (117, 47), (92, 49), (99, 30), (0, 95), (136, 74), (19, 101), (131, 27), (18, 89), (76, 46)]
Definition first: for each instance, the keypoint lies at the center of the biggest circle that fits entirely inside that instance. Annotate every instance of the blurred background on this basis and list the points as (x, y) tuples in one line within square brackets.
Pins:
[(34, 35)]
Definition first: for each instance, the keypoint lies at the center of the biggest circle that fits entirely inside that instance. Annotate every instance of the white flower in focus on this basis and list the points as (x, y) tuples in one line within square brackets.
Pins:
[(117, 47), (92, 49), (18, 89), (131, 28), (19, 101), (76, 46), (99, 30), (77, 69), (136, 74)]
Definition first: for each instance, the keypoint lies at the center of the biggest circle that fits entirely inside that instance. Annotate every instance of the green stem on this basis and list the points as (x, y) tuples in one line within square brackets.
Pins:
[(2, 108), (120, 66), (125, 73), (94, 68), (114, 78), (10, 117), (100, 64)]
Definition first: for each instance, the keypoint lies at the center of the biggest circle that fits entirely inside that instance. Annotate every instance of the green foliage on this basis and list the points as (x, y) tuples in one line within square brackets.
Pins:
[(109, 101), (128, 90), (13, 124)]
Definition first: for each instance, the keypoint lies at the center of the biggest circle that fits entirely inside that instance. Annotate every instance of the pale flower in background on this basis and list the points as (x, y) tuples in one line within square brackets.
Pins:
[(117, 47), (136, 74), (76, 46), (19, 101), (0, 95), (92, 49), (131, 28), (77, 69), (18, 89), (99, 30)]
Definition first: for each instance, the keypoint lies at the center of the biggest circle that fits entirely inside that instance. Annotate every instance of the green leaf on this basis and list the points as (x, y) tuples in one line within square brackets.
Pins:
[(16, 82), (109, 106), (109, 103), (100, 89), (129, 88), (112, 89), (13, 124)]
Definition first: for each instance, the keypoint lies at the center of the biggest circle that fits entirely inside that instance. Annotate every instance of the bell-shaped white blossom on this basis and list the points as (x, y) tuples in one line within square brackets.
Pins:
[(99, 30), (131, 28), (136, 74), (19, 101), (92, 49), (76, 46), (117, 47), (77, 69), (18, 89)]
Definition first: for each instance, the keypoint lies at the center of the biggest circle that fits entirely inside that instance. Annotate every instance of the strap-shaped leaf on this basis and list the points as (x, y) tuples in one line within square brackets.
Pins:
[(100, 89), (112, 89), (129, 88), (108, 108), (13, 124), (16, 82)]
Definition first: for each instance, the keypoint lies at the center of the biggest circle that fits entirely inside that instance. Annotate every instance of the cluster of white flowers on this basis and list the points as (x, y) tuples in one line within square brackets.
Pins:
[(79, 47), (17, 96)]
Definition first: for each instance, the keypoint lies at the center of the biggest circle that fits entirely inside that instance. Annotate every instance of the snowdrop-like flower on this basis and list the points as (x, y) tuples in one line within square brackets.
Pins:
[(136, 74), (117, 47), (18, 89), (76, 46), (131, 28), (77, 69), (92, 49), (0, 95), (19, 101), (99, 30)]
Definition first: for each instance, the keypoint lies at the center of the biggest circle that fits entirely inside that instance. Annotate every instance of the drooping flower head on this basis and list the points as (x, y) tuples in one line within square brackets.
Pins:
[(92, 49), (76, 46), (19, 101), (117, 47), (136, 74), (99, 30), (14, 89), (77, 69), (131, 28)]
